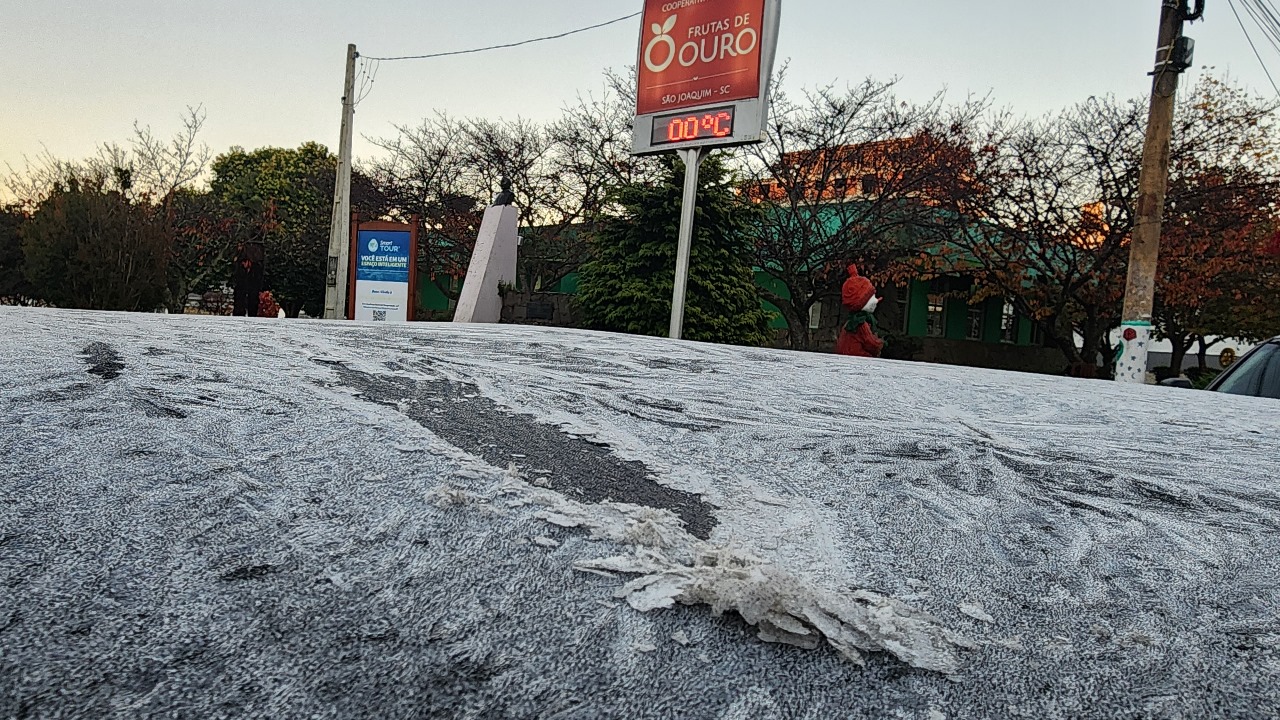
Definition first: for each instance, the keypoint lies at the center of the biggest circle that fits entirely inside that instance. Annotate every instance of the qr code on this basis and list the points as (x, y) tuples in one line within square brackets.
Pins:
[(379, 315)]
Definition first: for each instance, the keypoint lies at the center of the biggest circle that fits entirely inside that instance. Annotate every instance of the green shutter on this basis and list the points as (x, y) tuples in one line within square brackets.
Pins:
[(430, 297), (994, 309), (918, 309), (1024, 330)]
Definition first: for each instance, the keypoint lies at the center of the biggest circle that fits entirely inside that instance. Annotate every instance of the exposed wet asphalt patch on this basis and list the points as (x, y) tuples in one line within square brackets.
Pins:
[(103, 361), (580, 469)]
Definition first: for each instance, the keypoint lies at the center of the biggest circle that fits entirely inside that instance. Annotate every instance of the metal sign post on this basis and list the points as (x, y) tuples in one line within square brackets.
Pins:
[(693, 158), (702, 83)]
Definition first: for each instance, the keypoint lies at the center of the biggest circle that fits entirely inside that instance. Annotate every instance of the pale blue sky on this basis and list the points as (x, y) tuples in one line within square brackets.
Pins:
[(269, 72)]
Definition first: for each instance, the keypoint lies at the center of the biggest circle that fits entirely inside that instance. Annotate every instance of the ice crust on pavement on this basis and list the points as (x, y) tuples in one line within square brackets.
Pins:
[(213, 517), (675, 566), (786, 609)]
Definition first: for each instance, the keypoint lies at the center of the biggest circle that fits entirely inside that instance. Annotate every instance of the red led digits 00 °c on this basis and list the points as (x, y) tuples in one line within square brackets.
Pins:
[(687, 127)]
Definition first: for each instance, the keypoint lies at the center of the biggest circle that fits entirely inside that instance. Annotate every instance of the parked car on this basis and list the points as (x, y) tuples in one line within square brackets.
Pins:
[(1256, 374)]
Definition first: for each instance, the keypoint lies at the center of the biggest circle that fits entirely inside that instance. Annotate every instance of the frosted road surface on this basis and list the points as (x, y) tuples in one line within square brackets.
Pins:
[(205, 517)]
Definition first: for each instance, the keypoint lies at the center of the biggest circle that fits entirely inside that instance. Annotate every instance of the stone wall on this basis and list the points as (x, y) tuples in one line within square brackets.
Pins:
[(538, 308), (971, 353)]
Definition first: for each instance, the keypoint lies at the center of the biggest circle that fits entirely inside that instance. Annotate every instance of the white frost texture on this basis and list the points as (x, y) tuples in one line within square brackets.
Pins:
[(238, 518)]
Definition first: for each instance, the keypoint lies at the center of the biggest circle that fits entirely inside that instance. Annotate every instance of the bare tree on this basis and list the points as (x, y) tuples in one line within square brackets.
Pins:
[(145, 165), (591, 160), (44, 173), (424, 171), (850, 175), (1048, 224), (161, 167), (594, 139), (554, 202), (445, 170)]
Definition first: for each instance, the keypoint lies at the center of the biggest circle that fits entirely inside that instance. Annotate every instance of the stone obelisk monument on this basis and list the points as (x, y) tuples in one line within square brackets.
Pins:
[(493, 263)]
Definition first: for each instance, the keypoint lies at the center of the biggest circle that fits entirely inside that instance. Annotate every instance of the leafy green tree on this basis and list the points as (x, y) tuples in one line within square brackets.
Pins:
[(627, 285), (91, 247), (288, 194), (291, 185)]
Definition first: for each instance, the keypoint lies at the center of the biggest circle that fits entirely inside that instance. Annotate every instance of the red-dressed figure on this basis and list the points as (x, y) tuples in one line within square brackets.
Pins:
[(858, 337)]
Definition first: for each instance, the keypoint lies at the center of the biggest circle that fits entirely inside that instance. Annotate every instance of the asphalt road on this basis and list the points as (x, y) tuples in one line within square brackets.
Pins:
[(217, 518)]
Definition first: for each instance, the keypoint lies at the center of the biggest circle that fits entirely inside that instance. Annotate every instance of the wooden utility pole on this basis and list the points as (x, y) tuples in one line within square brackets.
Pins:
[(335, 295), (1172, 58)]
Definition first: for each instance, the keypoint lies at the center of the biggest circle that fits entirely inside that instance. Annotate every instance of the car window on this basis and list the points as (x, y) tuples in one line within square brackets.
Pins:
[(1271, 376), (1258, 371)]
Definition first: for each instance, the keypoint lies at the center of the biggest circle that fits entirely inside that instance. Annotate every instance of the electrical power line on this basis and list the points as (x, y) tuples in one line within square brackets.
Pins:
[(368, 76), (1272, 16), (509, 45), (1265, 20), (1252, 45)]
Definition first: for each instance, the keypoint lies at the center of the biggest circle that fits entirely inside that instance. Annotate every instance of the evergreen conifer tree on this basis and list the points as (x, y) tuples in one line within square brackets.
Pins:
[(627, 285)]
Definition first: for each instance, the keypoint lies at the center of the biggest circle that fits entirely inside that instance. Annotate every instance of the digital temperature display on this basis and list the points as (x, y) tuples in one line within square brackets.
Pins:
[(687, 127)]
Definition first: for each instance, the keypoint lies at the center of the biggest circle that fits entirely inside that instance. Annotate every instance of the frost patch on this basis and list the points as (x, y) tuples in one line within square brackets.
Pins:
[(784, 607), (450, 496), (619, 522), (674, 566), (977, 612), (649, 527)]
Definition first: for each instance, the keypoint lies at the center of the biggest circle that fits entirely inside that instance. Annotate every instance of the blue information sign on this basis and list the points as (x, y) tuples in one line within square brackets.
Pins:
[(383, 256), (383, 259)]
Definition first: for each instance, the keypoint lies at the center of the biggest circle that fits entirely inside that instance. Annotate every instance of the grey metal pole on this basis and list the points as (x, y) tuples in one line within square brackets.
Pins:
[(692, 163), (335, 296)]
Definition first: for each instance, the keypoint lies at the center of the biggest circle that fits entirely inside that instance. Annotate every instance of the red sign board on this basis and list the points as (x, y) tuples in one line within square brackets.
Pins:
[(699, 52)]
